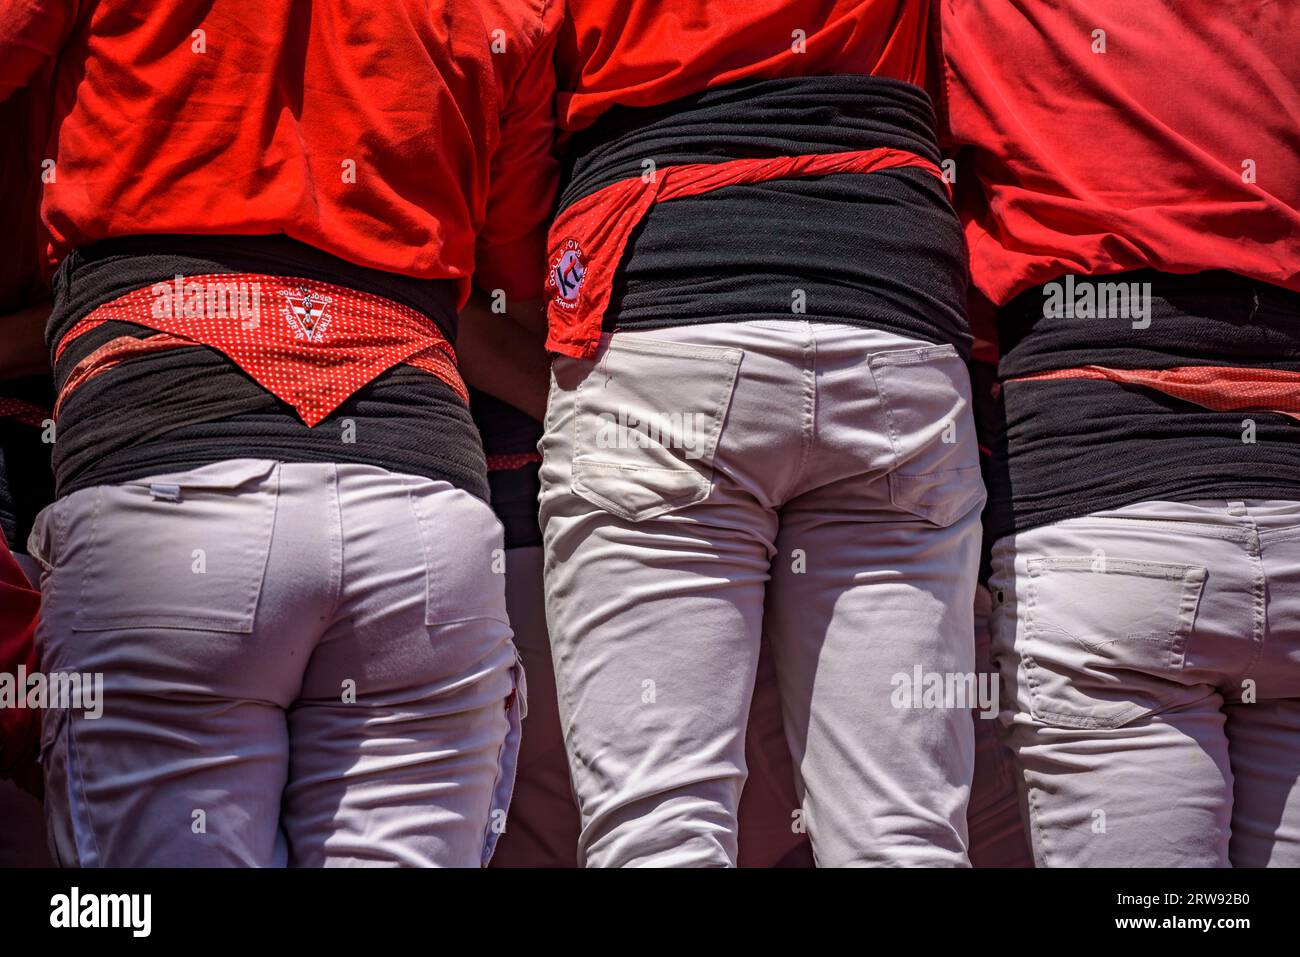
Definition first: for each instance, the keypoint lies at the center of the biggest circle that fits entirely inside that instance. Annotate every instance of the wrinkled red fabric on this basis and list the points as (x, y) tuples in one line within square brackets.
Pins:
[(411, 136), (633, 53), (1176, 149)]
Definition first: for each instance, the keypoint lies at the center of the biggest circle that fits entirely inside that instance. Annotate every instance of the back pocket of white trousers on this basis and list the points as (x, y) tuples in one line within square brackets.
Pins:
[(925, 394), (648, 418), (1105, 638), (188, 552)]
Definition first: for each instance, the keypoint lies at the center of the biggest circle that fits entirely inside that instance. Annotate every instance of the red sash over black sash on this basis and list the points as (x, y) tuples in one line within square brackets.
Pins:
[(588, 239), (1221, 388)]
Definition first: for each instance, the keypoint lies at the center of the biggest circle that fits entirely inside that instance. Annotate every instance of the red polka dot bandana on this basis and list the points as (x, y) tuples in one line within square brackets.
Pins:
[(25, 412), (311, 344), (510, 462)]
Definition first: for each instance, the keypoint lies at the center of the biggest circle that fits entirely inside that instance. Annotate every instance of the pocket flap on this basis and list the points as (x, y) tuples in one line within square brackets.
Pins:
[(229, 474), (647, 420)]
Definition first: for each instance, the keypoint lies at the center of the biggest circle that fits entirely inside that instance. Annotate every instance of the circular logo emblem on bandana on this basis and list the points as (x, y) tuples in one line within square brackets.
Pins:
[(567, 272)]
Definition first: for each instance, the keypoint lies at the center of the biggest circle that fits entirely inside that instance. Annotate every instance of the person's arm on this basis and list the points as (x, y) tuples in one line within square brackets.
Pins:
[(501, 356), (503, 353), (22, 342), (510, 255), (32, 32)]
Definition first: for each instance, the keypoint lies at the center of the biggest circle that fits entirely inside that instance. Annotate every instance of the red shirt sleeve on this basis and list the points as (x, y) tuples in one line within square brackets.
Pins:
[(511, 246), (32, 32)]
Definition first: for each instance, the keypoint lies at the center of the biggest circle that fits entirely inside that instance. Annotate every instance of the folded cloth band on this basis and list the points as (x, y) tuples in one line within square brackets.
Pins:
[(1221, 388), (311, 344), (588, 238)]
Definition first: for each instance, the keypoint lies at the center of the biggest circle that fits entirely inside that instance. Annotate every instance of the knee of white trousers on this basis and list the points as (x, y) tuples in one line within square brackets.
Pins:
[(682, 828)]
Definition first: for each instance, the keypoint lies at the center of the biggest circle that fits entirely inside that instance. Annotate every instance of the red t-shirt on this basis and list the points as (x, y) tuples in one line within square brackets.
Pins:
[(412, 136), (1177, 148), (639, 53)]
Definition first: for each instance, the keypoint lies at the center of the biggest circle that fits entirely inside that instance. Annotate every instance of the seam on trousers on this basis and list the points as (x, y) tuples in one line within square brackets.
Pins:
[(1190, 529), (572, 398), (90, 548), (1259, 598), (888, 410), (421, 537), (1027, 662), (514, 722), (336, 537), (75, 789), (78, 800), (489, 845), (276, 472), (1032, 802), (808, 410), (1031, 792), (49, 555), (573, 759), (1278, 536)]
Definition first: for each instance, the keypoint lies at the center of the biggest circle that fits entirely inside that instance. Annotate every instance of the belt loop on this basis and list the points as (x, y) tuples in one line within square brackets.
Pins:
[(165, 492)]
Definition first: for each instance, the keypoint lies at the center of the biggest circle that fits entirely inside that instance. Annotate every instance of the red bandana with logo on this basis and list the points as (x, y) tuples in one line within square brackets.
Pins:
[(311, 344)]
